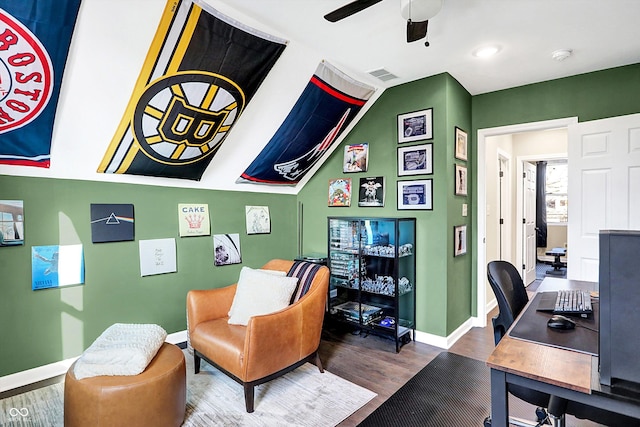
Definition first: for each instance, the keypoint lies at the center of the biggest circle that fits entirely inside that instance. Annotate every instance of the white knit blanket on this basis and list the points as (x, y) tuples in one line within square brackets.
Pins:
[(122, 349)]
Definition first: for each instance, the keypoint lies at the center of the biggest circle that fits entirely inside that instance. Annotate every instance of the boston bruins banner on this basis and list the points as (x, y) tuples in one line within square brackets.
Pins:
[(34, 41), (327, 105), (200, 73)]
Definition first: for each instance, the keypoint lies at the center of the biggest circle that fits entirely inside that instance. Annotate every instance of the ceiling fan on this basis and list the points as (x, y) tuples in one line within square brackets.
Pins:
[(416, 12)]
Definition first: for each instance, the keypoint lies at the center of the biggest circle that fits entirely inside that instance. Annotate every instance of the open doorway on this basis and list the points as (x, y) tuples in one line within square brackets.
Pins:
[(518, 142)]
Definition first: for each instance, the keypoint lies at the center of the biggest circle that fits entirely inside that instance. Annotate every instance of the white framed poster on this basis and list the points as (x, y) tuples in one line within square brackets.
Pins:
[(157, 256)]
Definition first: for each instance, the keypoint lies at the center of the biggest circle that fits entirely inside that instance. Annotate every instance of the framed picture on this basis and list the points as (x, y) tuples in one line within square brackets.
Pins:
[(226, 249), (461, 144), (340, 192), (371, 192), (459, 240), (356, 158), (461, 180), (111, 222), (415, 160), (415, 126), (257, 219), (416, 194)]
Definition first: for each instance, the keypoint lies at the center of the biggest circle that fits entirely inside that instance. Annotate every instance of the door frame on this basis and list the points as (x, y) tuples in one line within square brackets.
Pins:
[(520, 255), (482, 308)]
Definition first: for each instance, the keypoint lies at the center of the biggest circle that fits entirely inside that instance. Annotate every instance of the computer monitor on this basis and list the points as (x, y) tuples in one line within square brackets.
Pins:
[(619, 278)]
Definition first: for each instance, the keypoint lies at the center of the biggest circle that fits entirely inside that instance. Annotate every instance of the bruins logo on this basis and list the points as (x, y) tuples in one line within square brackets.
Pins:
[(183, 118), (26, 75)]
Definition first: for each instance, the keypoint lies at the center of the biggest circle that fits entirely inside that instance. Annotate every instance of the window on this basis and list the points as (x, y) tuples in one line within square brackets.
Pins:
[(556, 191)]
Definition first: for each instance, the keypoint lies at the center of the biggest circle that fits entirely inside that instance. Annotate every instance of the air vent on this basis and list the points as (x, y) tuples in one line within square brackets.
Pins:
[(383, 74)]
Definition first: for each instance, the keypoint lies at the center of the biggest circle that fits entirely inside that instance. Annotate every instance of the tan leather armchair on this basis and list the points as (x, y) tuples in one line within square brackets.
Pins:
[(269, 346)]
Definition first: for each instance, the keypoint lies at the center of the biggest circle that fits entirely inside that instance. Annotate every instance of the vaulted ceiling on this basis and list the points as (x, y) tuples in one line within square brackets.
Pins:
[(601, 34)]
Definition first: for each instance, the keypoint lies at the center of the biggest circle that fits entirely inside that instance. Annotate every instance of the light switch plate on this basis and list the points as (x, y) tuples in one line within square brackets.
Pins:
[(464, 209)]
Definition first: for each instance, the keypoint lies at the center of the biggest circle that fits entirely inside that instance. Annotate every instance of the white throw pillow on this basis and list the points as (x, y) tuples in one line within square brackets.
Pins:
[(260, 293)]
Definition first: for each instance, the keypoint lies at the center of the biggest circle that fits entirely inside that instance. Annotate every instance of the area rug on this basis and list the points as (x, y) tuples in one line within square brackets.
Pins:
[(303, 397), (452, 390)]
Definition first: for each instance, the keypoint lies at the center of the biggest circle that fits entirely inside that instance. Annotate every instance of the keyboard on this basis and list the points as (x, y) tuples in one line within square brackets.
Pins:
[(573, 302)]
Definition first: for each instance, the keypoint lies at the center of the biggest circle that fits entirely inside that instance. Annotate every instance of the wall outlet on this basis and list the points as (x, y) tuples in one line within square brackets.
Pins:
[(464, 209)]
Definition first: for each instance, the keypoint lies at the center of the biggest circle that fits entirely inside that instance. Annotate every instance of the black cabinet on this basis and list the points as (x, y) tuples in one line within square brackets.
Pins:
[(372, 283)]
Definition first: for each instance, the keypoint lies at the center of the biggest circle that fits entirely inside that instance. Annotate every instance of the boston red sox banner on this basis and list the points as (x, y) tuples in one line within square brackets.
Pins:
[(200, 73), (327, 105), (34, 41)]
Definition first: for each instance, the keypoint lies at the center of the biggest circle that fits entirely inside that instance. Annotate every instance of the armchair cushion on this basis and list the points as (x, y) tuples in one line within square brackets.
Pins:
[(260, 293)]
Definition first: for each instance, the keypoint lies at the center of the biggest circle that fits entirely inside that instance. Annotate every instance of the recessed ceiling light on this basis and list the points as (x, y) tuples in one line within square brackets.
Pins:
[(486, 51), (561, 54)]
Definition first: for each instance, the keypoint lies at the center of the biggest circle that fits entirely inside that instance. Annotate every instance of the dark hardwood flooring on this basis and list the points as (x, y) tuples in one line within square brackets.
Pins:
[(371, 361)]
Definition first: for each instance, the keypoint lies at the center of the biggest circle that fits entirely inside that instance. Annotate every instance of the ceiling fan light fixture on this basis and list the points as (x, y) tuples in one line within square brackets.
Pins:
[(486, 51), (419, 10)]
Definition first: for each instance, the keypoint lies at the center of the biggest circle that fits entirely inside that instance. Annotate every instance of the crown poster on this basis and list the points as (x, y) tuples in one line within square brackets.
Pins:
[(193, 219)]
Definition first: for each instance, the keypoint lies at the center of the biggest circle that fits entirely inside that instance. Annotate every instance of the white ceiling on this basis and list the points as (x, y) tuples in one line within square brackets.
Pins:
[(602, 34)]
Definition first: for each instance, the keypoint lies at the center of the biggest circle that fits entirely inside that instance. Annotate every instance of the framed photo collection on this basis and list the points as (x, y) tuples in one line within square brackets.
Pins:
[(415, 160), (415, 126)]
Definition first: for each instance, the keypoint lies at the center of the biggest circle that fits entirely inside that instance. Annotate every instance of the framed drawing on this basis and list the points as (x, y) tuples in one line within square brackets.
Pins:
[(340, 192), (415, 195), (371, 192), (461, 144), (415, 126), (258, 219), (356, 158), (459, 240), (461, 180), (415, 160)]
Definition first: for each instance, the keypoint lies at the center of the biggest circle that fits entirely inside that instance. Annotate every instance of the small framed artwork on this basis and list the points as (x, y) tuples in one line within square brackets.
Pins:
[(371, 192), (461, 144), (111, 222), (416, 194), (461, 180), (258, 219), (356, 158), (415, 126), (459, 240), (340, 192), (415, 160), (226, 249)]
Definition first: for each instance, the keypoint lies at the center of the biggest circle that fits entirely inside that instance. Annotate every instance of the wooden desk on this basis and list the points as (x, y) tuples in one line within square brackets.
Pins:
[(551, 370)]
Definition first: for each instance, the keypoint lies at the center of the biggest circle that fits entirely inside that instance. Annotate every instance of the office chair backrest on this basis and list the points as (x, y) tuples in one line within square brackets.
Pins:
[(510, 293)]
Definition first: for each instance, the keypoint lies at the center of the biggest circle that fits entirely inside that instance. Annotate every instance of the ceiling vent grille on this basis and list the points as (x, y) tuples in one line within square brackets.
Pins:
[(383, 74)]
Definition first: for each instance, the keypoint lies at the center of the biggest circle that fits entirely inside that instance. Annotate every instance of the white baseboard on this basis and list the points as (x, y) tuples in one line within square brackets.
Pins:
[(445, 342), (52, 370)]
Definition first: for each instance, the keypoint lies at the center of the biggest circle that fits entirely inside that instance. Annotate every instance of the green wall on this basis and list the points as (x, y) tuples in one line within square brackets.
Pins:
[(45, 326), (443, 288), (591, 96)]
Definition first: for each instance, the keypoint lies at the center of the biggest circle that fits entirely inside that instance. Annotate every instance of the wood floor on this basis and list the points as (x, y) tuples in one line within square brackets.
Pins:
[(372, 362)]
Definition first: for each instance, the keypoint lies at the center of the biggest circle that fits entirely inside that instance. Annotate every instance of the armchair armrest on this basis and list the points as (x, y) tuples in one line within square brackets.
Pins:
[(208, 304)]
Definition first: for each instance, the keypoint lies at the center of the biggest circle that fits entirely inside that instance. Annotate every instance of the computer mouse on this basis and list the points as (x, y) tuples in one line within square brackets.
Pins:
[(559, 321)]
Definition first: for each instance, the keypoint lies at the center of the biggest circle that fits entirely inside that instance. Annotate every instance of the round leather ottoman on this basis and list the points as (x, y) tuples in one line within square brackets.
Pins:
[(156, 397)]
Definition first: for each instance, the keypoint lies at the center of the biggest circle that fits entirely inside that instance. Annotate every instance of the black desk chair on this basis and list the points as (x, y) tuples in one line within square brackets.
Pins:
[(511, 294)]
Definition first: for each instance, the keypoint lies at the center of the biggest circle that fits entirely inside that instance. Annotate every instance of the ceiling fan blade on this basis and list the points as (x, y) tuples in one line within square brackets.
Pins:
[(416, 30), (349, 9)]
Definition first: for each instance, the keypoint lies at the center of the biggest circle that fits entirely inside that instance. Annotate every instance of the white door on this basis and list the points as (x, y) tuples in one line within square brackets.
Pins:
[(604, 187), (529, 221), (505, 233)]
